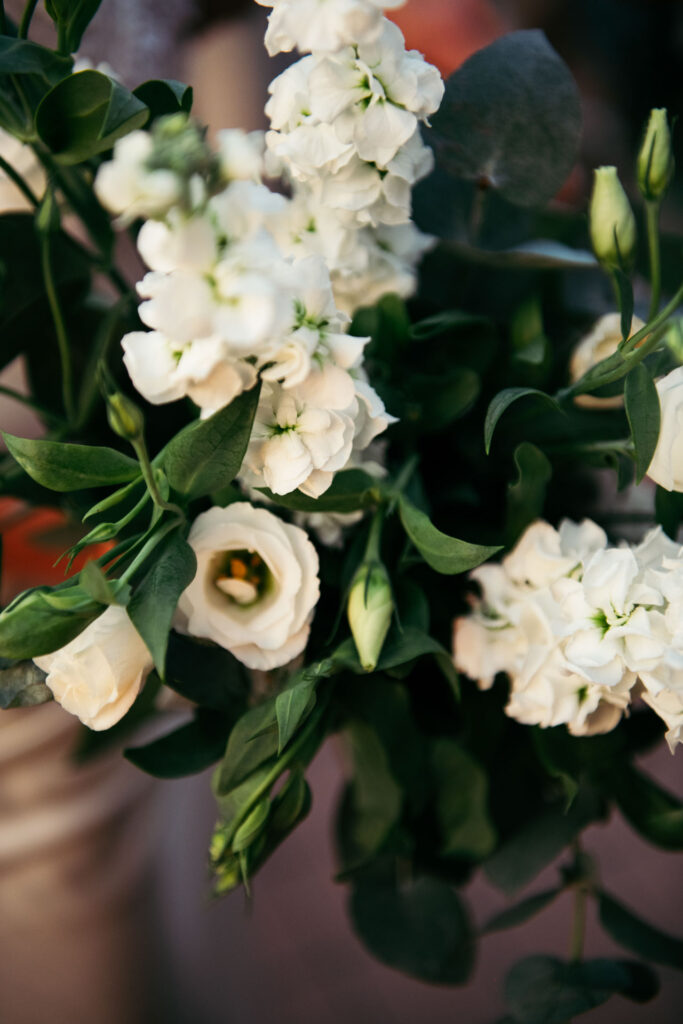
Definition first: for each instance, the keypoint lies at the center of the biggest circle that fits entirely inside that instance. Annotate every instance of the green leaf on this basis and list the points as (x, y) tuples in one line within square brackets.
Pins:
[(538, 842), (102, 590), (438, 400), (165, 96), (421, 929), (644, 415), (625, 292), (32, 625), (521, 912), (253, 741), (652, 811), (72, 18), (511, 117), (155, 597), (461, 802), (441, 323), (71, 467), (85, 114), (445, 554), (669, 511), (207, 675), (20, 57), (638, 936), (502, 401), (22, 685), (374, 798), (292, 706), (350, 490), (252, 826), (208, 454), (526, 496), (186, 751), (543, 990)]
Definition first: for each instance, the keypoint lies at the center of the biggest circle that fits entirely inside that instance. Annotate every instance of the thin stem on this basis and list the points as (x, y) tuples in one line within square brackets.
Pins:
[(26, 17), (578, 932), (18, 181), (147, 549), (372, 549), (151, 481), (652, 218), (60, 328)]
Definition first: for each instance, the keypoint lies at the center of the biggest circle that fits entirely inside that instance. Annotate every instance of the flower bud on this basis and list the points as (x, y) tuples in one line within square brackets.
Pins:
[(612, 224), (125, 419), (369, 611), (655, 165)]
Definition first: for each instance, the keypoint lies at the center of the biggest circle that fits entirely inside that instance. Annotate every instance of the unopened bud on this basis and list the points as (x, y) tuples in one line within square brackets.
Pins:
[(125, 419), (369, 611), (612, 224), (655, 160)]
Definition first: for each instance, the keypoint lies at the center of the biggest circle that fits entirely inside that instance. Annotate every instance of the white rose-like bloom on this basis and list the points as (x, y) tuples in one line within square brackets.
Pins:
[(322, 24), (256, 585), (666, 468), (129, 188), (602, 341), (24, 161), (98, 675)]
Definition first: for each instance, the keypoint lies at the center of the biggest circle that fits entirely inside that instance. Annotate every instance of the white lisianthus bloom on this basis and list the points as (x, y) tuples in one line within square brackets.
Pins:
[(322, 24), (128, 187), (241, 154), (602, 341), (25, 162), (255, 588), (666, 468), (98, 675)]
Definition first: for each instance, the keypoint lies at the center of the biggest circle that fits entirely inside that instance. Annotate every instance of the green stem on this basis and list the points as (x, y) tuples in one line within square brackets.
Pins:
[(578, 932), (151, 481), (372, 548), (26, 17), (652, 218), (18, 181), (60, 328), (147, 549)]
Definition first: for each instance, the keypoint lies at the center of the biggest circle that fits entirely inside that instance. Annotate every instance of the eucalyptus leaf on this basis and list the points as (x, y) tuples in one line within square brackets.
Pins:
[(22, 685), (461, 802), (208, 454), (502, 401), (443, 553), (21, 57), (186, 751), (511, 117), (350, 490), (165, 96), (421, 928), (544, 990), (644, 415), (85, 114), (154, 599), (71, 467), (640, 938), (512, 917)]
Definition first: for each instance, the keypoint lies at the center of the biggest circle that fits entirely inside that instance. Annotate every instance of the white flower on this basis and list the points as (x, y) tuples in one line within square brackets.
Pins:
[(322, 24), (25, 162), (489, 640), (179, 305), (127, 186), (666, 468), (602, 341), (256, 585), (98, 675), (179, 242), (543, 555), (204, 370), (668, 704), (240, 154)]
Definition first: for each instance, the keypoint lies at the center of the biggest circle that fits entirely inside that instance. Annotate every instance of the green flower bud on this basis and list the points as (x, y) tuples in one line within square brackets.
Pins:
[(655, 165), (369, 611), (125, 419), (612, 224)]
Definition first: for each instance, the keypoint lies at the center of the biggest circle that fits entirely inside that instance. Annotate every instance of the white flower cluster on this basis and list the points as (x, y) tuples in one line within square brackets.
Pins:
[(345, 134), (580, 628)]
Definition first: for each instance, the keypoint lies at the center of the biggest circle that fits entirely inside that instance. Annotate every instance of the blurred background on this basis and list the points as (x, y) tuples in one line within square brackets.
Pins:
[(104, 909)]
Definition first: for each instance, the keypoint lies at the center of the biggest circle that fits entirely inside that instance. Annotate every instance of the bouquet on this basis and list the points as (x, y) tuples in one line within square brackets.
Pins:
[(337, 460)]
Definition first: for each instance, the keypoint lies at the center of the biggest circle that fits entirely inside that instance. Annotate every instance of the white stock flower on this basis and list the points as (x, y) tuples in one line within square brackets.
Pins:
[(24, 161), (179, 242), (128, 187), (322, 24), (668, 704), (241, 154), (98, 675), (666, 468), (543, 555), (255, 588)]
